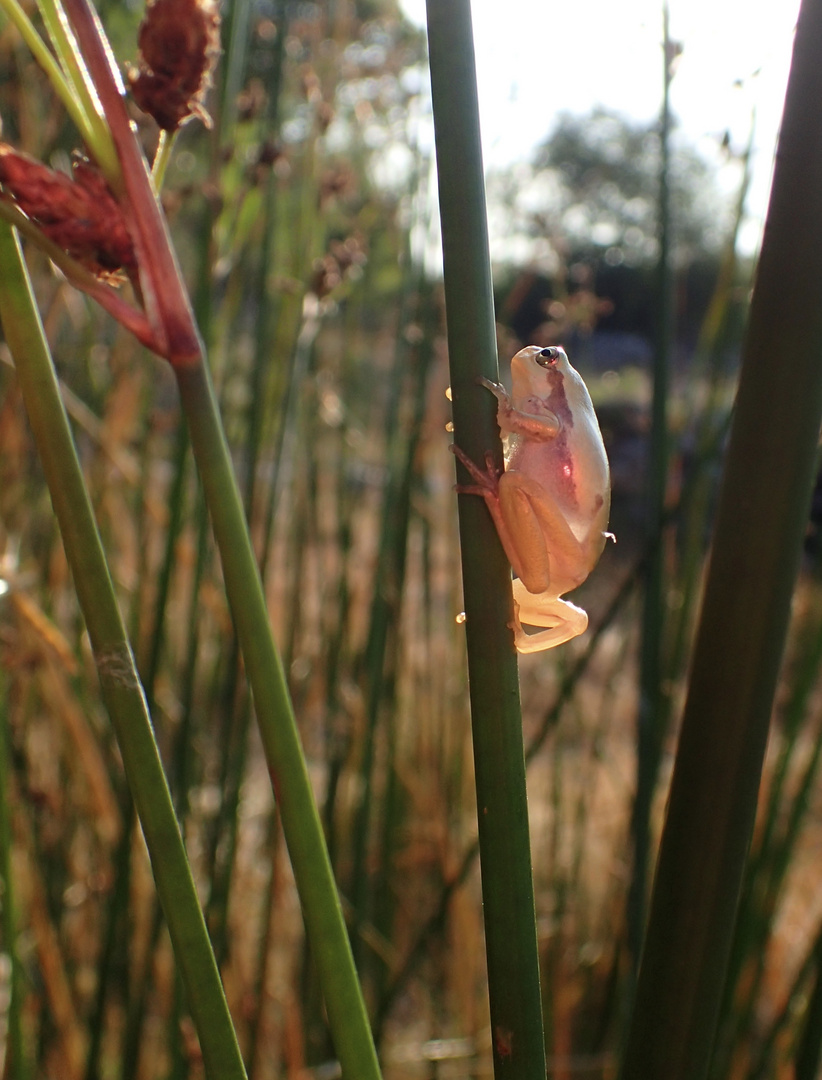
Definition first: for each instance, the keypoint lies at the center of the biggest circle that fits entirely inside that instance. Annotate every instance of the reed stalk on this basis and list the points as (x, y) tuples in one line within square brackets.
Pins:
[(289, 774), (173, 333), (507, 885), (760, 523), (120, 684), (652, 711)]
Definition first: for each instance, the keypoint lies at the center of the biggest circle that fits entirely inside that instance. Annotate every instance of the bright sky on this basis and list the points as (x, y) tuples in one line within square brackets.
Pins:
[(536, 58)]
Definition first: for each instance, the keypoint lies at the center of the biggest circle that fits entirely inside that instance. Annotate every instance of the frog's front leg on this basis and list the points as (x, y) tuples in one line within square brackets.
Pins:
[(563, 620), (542, 425)]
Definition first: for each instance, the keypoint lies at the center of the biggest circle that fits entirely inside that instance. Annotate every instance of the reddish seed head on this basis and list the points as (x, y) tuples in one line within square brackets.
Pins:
[(179, 43), (80, 215)]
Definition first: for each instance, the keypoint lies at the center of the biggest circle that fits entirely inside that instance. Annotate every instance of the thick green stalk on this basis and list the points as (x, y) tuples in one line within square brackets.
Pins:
[(507, 885), (301, 821), (121, 688), (761, 519)]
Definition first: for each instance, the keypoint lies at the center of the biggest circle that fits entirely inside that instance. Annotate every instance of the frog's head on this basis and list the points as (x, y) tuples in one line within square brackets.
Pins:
[(545, 374), (535, 368)]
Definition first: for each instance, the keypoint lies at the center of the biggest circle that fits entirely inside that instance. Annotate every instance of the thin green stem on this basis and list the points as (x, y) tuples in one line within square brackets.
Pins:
[(652, 710), (76, 98), (75, 71), (169, 313), (301, 822), (507, 885), (121, 688), (165, 147)]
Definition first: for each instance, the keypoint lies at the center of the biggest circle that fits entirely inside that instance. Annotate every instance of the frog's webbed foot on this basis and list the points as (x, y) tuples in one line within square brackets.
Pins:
[(562, 619), (487, 480)]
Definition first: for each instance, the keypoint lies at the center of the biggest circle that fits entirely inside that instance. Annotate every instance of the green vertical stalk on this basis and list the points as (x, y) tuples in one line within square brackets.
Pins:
[(384, 893), (652, 713), (507, 885), (301, 821), (120, 685), (112, 945), (760, 523), (433, 925), (383, 618)]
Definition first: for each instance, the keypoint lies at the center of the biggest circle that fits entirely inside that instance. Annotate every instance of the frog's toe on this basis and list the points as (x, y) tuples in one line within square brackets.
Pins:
[(488, 480)]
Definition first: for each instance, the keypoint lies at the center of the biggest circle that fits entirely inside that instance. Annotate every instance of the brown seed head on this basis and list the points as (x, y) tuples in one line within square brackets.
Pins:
[(179, 44), (80, 215)]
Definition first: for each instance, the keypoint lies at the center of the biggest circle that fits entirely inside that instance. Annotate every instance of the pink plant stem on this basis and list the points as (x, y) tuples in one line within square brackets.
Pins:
[(167, 305)]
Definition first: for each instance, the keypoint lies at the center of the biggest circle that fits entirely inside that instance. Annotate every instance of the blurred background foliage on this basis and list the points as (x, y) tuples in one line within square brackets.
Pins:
[(304, 225)]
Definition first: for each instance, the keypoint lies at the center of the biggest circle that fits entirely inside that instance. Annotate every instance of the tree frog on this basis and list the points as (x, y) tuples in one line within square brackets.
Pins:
[(551, 504)]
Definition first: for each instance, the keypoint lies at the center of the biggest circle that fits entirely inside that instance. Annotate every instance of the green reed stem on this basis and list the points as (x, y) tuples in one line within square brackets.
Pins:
[(74, 68), (165, 148), (507, 885), (761, 517), (652, 711), (173, 333), (301, 821), (67, 81), (121, 687)]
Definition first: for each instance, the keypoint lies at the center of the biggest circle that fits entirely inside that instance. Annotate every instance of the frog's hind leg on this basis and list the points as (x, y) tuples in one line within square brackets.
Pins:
[(547, 555), (562, 619)]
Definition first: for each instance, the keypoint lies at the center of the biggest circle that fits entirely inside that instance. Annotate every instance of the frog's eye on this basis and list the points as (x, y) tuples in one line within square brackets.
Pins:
[(548, 356)]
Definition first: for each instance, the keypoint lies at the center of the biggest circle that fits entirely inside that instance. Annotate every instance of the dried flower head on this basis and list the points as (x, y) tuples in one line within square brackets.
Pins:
[(80, 215), (179, 44), (343, 261)]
